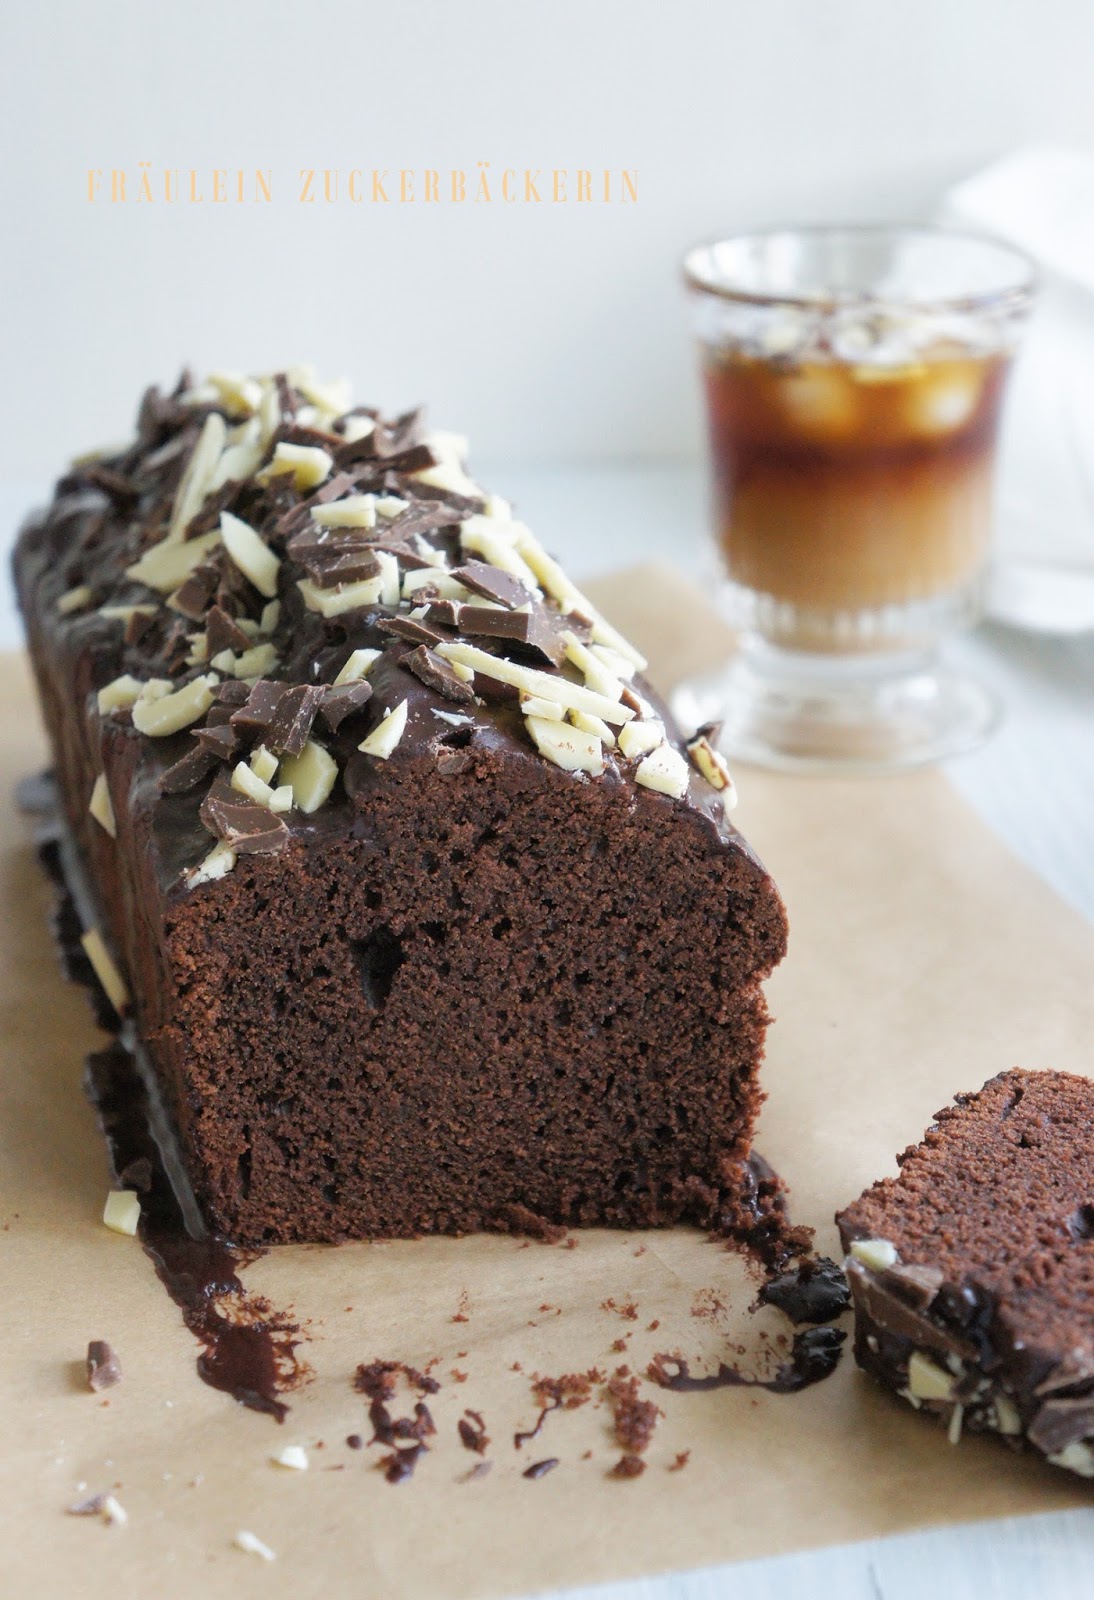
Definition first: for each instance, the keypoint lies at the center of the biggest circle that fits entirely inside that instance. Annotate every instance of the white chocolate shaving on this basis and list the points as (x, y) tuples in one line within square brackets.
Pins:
[(252, 555), (566, 746), (1076, 1457), (450, 450), (712, 764), (597, 725), (496, 542), (664, 770), (119, 694), (247, 781), (390, 505), (217, 864), (238, 393), (877, 1254), (122, 1211), (168, 564), (574, 696), (271, 616), (170, 713), (386, 735), (241, 458), (101, 807), (594, 672), (331, 398), (106, 970), (310, 776), (123, 613), (253, 663), (76, 599), (639, 738), (293, 1456), (927, 1380), (196, 479), (354, 511), (357, 667), (252, 1545), (263, 763), (308, 464), (358, 428), (390, 578), (619, 665), (534, 705), (448, 587), (343, 597)]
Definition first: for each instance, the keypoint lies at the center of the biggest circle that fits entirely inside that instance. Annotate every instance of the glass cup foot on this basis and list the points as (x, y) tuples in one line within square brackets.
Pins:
[(799, 713)]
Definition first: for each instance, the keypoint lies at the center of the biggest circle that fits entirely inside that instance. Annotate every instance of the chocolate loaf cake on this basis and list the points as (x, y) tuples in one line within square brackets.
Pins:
[(425, 916), (973, 1271)]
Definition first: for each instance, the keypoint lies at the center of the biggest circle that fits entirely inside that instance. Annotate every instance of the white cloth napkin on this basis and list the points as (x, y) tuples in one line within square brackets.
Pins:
[(1042, 200)]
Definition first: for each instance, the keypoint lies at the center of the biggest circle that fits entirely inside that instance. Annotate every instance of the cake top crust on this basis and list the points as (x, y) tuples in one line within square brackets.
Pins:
[(996, 1208), (272, 593)]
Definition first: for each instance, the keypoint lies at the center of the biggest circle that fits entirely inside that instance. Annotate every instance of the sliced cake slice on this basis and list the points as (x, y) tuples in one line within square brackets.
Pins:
[(972, 1272)]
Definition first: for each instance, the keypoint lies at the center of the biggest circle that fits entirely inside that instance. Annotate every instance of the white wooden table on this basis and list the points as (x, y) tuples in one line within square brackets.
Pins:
[(1034, 785)]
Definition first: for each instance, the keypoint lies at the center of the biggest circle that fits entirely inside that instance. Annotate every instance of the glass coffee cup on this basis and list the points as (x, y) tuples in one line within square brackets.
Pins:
[(854, 381)]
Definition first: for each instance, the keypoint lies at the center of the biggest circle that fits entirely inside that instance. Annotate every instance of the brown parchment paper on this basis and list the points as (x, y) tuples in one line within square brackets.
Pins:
[(923, 959)]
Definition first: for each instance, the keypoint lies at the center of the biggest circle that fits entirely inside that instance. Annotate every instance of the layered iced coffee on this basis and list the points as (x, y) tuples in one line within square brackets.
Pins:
[(852, 454), (854, 381)]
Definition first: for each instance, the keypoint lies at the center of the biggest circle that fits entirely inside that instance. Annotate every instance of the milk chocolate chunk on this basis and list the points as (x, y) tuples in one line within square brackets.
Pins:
[(250, 829), (492, 583), (259, 709), (223, 633), (219, 738), (189, 770), (437, 674), (984, 1300), (342, 701), (522, 628), (104, 1369), (195, 594), (411, 629), (289, 727)]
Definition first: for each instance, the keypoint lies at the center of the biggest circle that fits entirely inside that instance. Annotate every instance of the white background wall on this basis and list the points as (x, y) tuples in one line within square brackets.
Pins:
[(549, 333)]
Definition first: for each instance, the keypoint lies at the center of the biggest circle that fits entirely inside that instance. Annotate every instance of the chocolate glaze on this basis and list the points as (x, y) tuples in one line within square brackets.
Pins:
[(814, 1356)]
